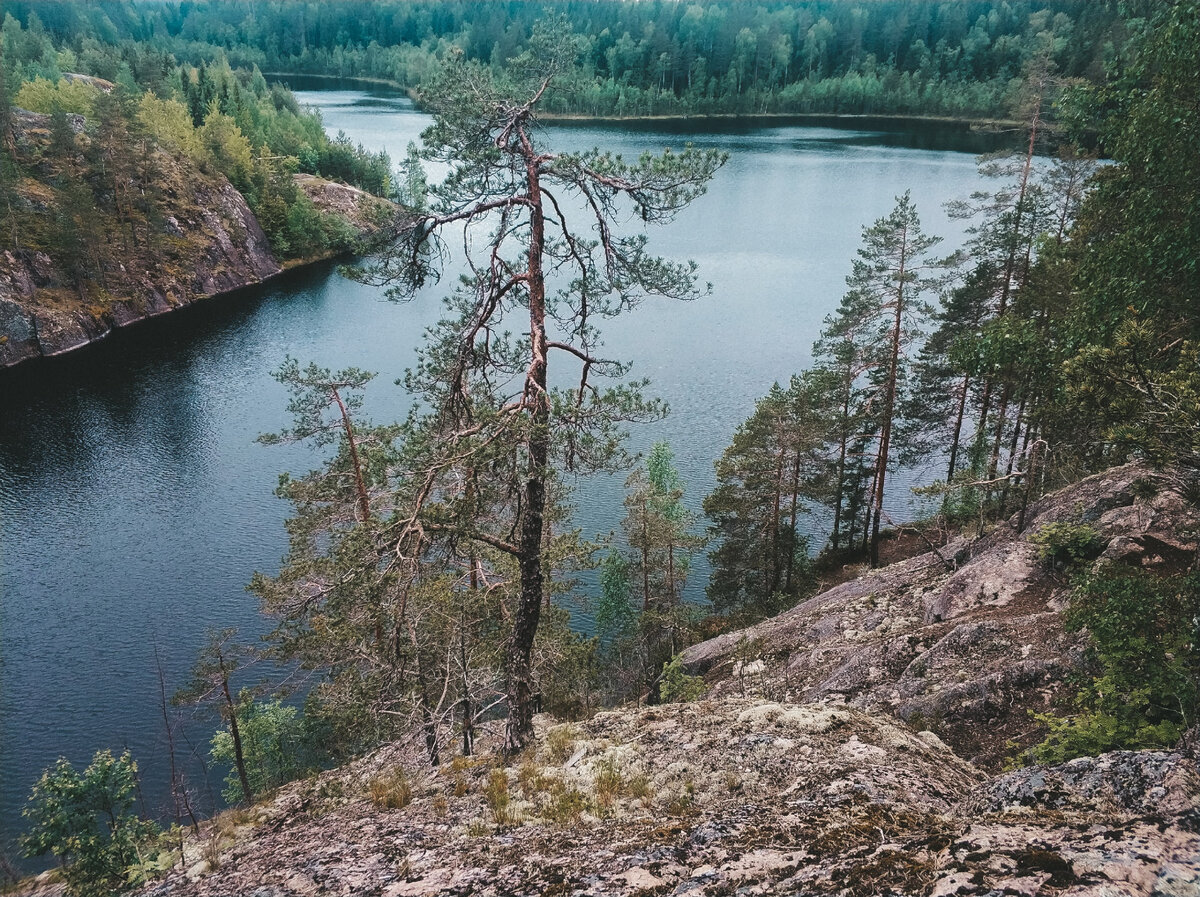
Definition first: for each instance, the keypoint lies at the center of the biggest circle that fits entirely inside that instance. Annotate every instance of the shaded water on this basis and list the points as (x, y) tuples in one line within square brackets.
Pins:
[(135, 504)]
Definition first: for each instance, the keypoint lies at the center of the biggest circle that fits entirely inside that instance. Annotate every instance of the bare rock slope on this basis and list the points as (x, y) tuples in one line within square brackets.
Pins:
[(794, 776), (729, 796), (966, 639)]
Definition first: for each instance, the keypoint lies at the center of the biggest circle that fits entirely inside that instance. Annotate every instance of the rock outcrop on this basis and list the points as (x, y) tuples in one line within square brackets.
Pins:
[(730, 796), (205, 242), (965, 640), (363, 211)]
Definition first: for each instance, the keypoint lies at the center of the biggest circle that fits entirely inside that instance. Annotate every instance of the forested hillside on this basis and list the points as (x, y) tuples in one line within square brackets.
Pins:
[(127, 196), (1058, 342), (910, 57)]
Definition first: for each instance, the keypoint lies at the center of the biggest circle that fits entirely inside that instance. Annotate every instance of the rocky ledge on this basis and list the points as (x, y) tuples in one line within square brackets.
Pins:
[(720, 797), (965, 640)]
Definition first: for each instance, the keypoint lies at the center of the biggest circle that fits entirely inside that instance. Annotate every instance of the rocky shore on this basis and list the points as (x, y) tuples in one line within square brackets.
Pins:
[(210, 243)]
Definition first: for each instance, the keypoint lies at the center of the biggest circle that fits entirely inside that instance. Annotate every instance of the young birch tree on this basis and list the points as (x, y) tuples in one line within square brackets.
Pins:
[(548, 240)]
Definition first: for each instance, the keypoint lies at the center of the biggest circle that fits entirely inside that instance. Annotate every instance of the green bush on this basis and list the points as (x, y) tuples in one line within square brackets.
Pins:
[(678, 685), (1142, 686), (1067, 545), (275, 745), (84, 819)]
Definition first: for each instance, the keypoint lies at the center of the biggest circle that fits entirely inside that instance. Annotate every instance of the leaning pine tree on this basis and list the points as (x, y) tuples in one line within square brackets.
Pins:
[(548, 242)]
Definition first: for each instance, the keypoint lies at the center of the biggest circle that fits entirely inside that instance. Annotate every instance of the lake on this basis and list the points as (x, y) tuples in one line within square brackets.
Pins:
[(135, 503)]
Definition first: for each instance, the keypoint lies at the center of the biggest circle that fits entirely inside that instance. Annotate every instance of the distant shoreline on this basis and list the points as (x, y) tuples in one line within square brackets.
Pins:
[(975, 124)]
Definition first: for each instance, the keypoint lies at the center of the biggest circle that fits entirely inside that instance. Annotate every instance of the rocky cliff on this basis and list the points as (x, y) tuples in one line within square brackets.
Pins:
[(204, 241)]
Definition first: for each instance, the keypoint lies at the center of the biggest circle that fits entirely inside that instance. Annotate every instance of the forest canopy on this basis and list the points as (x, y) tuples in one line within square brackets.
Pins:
[(911, 57)]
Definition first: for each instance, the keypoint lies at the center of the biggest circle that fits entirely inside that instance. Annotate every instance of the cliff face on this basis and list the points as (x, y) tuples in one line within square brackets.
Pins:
[(204, 241)]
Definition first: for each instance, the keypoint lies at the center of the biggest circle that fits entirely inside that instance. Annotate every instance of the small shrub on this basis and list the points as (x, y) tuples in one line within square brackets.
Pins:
[(1141, 687), (495, 794), (1067, 545), (214, 843), (678, 686), (608, 783), (683, 800), (639, 787), (477, 828), (531, 780), (560, 742), (390, 791), (565, 805), (274, 744), (85, 820)]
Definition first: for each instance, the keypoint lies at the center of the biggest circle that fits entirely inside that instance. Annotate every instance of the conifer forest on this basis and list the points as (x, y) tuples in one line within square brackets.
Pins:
[(442, 585)]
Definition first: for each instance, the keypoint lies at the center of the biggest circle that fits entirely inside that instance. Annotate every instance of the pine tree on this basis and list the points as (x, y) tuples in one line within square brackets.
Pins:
[(777, 459), (502, 184), (879, 321)]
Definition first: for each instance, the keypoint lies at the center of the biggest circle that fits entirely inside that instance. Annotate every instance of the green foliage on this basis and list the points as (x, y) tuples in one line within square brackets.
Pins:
[(677, 685), (615, 616), (86, 820), (775, 462), (224, 121), (41, 95), (498, 799), (226, 148), (1143, 665), (274, 743), (641, 617), (897, 56), (1145, 389), (1066, 545)]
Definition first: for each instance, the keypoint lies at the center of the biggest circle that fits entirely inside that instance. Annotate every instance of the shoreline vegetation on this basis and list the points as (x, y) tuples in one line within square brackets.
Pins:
[(973, 122)]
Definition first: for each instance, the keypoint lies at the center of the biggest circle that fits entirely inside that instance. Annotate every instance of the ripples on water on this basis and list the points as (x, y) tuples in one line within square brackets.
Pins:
[(135, 504)]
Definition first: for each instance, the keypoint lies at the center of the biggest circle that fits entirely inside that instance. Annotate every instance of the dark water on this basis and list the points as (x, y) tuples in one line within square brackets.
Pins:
[(135, 504)]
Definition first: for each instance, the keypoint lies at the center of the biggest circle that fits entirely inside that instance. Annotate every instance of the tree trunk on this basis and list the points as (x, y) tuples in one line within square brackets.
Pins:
[(360, 486), (645, 556), (791, 562), (235, 731), (840, 487), (518, 664), (776, 564), (958, 422), (889, 408), (427, 720)]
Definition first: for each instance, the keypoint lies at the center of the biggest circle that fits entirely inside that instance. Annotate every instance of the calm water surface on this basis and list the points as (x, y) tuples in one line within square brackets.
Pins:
[(135, 504)]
